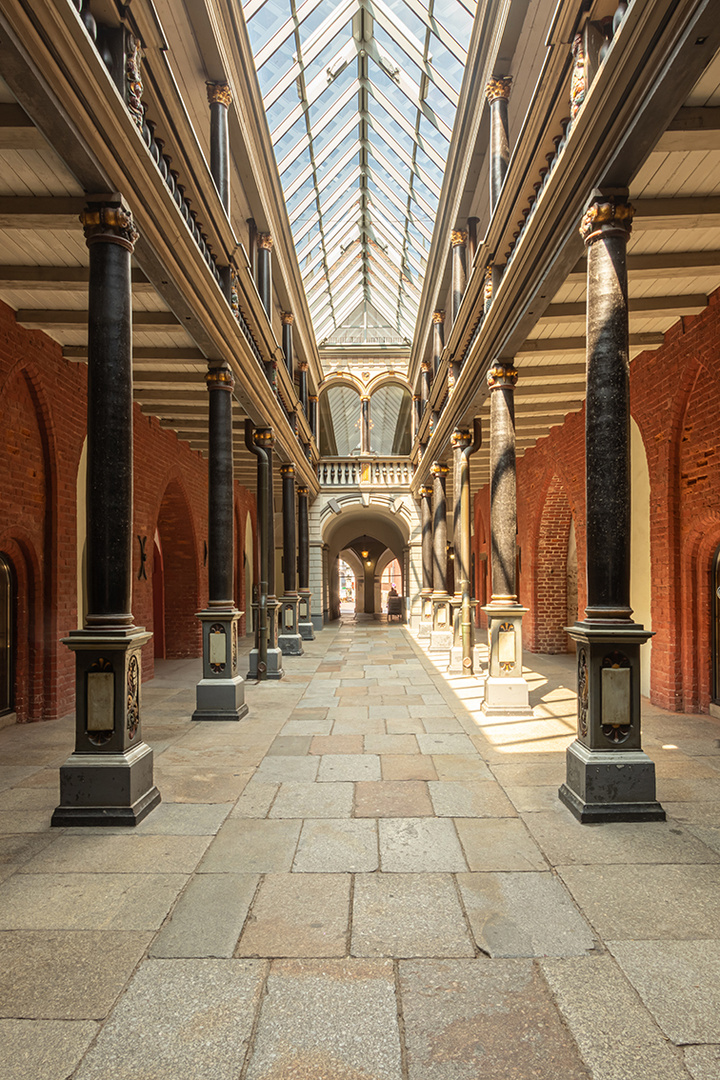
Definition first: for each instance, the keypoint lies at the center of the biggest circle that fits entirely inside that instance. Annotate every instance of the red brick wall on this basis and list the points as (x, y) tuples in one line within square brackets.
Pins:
[(42, 432), (675, 400)]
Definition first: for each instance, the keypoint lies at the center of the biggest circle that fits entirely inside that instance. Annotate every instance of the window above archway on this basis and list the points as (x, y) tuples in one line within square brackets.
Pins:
[(361, 98)]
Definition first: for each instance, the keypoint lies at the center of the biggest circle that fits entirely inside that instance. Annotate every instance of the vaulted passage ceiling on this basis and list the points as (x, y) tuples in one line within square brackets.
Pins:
[(361, 98)]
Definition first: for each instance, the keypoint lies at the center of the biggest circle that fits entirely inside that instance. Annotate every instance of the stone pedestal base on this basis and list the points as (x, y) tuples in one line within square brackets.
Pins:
[(610, 786), (306, 630), (506, 691), (289, 638), (220, 694), (108, 780), (425, 623), (274, 664), (290, 644), (441, 641), (609, 777)]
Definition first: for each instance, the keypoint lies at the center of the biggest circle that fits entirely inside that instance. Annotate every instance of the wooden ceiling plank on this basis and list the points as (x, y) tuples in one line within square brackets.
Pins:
[(59, 278), (41, 212)]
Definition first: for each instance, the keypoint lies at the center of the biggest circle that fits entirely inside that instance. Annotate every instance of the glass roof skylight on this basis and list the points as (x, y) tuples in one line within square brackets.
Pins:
[(361, 98)]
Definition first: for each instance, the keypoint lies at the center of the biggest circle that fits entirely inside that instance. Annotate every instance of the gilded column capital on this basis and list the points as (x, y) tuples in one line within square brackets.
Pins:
[(109, 223), (303, 490), (287, 318), (426, 492), (604, 216), (498, 88), (265, 241), (219, 93), (425, 366), (364, 397), (133, 80), (312, 397), (458, 238), (460, 439), (502, 377), (288, 469), (303, 366), (488, 283), (438, 468), (264, 437), (220, 378), (438, 317)]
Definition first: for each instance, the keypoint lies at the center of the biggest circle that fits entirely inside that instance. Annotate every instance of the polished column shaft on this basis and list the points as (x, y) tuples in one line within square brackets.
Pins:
[(287, 341), (289, 541), (460, 441), (427, 539), (110, 236), (264, 271), (365, 425), (439, 474), (458, 240), (303, 540), (438, 339), (312, 418), (424, 382), (303, 387), (605, 229), (221, 533), (497, 93), (220, 98), (503, 507)]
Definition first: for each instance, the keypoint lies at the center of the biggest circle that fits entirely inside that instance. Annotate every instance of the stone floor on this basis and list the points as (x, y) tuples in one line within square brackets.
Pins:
[(362, 881)]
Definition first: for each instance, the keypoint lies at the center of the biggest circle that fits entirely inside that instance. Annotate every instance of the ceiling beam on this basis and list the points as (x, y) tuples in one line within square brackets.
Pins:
[(167, 378), (17, 131), (663, 264), (171, 395), (159, 354), (59, 278), (699, 212), (647, 306), (692, 129), (41, 212), (57, 317)]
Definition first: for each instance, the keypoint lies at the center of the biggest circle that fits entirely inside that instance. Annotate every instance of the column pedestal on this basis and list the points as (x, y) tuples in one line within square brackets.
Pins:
[(108, 779), (609, 777), (289, 637), (426, 616), (506, 691), (441, 635), (274, 653), (457, 667), (305, 624), (220, 694)]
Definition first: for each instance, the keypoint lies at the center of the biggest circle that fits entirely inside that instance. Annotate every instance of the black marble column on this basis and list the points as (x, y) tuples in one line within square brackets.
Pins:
[(303, 387), (264, 270), (497, 93), (287, 341), (264, 438), (289, 542), (438, 339), (312, 418), (108, 780), (427, 540), (365, 425), (415, 416), (472, 224), (609, 777), (425, 379), (439, 474), (221, 525), (503, 505), (220, 99), (305, 623), (460, 440), (458, 241)]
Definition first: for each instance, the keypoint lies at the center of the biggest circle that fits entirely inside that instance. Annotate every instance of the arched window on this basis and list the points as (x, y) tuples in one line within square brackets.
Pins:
[(7, 635), (390, 420)]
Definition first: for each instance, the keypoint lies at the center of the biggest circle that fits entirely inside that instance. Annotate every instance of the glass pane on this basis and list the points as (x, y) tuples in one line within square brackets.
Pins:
[(267, 21), (326, 55), (291, 138), (454, 18)]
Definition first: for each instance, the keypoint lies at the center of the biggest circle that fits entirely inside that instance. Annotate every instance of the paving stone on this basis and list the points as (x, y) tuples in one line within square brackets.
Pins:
[(391, 744), (333, 800), (337, 847), (247, 846), (407, 767), (179, 1019), (419, 845), (446, 744), (688, 790), (10, 775), (532, 800), (441, 725), (88, 901), (615, 1033), (703, 813), (477, 1020), (349, 767), (647, 901), (414, 726), (290, 746), (198, 784), (334, 1019), (386, 712), (24, 821), (498, 844), (43, 1049), (18, 849), (564, 840), (703, 1062), (255, 801), (474, 798), (402, 915), (531, 773), (208, 918), (388, 798), (298, 726), (460, 768), (183, 819), (337, 744), (282, 770), (298, 915), (65, 974), (108, 853), (523, 914), (707, 835), (679, 981), (357, 726)]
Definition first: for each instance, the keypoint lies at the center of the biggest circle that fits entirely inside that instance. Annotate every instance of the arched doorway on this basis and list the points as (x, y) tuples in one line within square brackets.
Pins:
[(715, 601), (8, 601), (158, 587), (249, 575), (348, 588), (180, 573)]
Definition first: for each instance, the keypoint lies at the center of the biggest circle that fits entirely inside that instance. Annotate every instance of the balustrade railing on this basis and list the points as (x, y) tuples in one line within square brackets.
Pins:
[(378, 472)]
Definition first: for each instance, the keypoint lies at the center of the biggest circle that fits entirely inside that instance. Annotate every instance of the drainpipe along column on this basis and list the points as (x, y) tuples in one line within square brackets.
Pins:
[(108, 780), (609, 777), (506, 691), (426, 616), (264, 439), (220, 693), (305, 624), (460, 440), (441, 633)]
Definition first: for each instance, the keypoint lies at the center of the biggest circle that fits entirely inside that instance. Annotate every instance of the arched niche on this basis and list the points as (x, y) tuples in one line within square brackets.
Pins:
[(339, 412), (385, 530), (181, 574), (640, 579), (390, 411)]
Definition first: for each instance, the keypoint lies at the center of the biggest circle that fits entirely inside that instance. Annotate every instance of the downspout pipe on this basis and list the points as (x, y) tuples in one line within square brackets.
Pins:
[(465, 586), (262, 515)]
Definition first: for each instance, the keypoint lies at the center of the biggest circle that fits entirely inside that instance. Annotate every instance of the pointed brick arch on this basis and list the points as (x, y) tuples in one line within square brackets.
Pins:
[(548, 585), (181, 571)]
